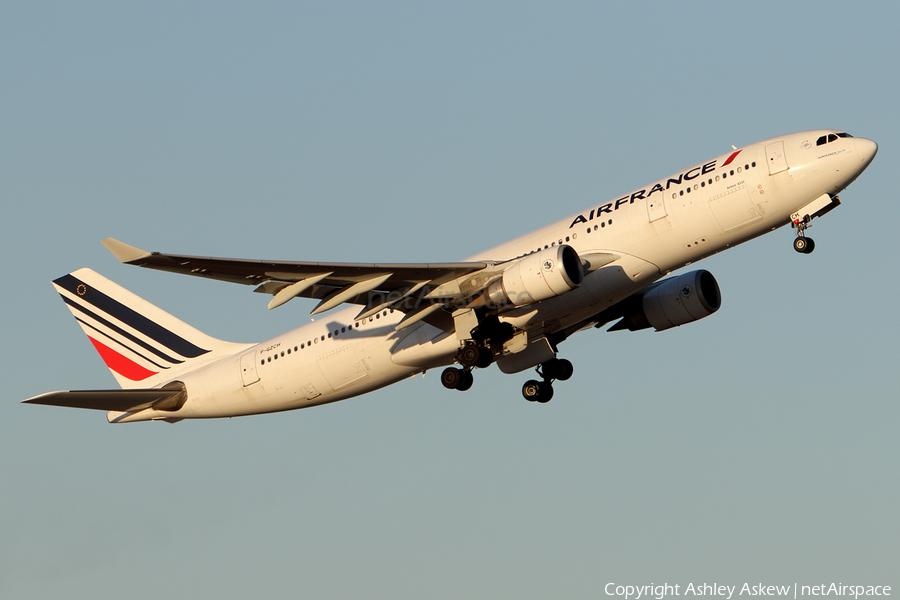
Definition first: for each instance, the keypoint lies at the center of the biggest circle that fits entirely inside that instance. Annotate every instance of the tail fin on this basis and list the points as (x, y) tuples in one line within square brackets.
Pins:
[(142, 345)]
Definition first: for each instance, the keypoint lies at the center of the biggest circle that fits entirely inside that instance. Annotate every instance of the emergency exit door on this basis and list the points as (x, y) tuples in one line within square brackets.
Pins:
[(248, 369), (776, 158)]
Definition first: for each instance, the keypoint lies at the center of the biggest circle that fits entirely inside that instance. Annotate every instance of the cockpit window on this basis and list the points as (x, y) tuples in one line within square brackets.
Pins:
[(831, 137)]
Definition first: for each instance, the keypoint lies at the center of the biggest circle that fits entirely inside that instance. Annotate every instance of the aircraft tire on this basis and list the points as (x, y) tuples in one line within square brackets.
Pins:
[(485, 357), (451, 378), (465, 382), (564, 370), (801, 245), (546, 392), (469, 355), (531, 390)]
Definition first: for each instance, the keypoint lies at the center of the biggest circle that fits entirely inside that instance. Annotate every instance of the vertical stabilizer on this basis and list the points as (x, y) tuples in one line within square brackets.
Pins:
[(142, 345)]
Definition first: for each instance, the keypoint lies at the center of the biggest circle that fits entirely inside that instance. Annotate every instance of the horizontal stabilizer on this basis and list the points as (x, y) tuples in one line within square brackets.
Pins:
[(172, 397)]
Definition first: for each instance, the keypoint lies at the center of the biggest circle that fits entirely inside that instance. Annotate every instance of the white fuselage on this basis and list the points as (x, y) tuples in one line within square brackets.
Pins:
[(654, 230)]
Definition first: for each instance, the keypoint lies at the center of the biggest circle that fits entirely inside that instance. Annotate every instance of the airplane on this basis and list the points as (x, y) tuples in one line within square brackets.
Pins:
[(513, 304)]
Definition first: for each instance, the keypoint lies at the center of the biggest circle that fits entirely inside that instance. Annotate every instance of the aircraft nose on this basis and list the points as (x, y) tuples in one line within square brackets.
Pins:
[(866, 149)]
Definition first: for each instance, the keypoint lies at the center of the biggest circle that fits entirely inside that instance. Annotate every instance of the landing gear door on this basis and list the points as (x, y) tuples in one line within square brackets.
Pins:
[(248, 369), (776, 158)]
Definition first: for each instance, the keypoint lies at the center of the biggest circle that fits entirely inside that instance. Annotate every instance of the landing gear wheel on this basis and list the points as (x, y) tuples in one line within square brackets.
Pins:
[(537, 391), (804, 245), (457, 379), (565, 370), (531, 390), (465, 382), (557, 368), (469, 354), (485, 357), (451, 378), (546, 392), (473, 355)]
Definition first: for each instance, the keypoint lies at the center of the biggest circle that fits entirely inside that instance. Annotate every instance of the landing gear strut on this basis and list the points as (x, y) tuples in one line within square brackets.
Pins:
[(542, 391), (802, 244)]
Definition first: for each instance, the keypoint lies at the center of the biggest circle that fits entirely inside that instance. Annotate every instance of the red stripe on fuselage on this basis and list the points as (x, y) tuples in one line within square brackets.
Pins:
[(730, 158), (123, 366)]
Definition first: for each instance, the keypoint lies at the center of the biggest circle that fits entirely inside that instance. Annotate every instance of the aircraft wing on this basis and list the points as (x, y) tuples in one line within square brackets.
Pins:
[(376, 286)]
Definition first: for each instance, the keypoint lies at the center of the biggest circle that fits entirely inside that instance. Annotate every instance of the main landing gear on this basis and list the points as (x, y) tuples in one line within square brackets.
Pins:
[(542, 391), (471, 355)]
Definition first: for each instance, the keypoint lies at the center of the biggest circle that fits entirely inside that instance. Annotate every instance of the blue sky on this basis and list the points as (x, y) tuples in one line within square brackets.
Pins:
[(758, 444)]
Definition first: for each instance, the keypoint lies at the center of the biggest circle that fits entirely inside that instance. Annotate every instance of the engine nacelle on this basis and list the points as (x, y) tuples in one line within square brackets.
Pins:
[(673, 302), (539, 276)]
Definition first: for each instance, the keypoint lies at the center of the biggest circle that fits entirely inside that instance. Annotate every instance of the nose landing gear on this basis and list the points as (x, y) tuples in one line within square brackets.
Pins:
[(542, 391), (800, 220), (802, 244)]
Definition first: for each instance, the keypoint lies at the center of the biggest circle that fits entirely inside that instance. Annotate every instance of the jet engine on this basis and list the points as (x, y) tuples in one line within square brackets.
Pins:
[(672, 302), (539, 276)]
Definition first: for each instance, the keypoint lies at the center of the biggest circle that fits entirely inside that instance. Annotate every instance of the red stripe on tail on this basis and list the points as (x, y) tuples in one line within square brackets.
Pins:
[(121, 365)]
